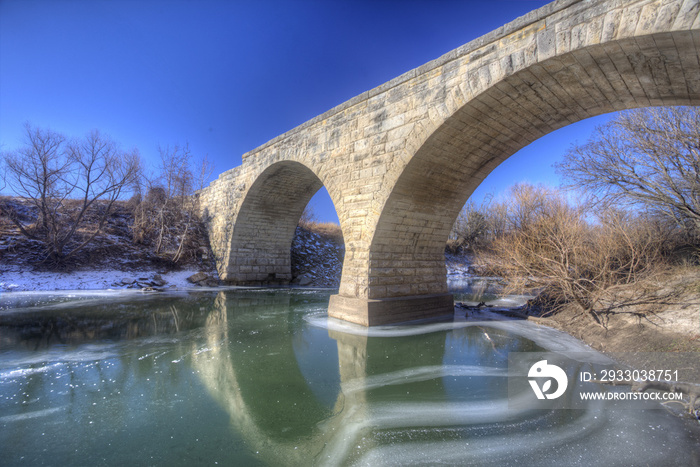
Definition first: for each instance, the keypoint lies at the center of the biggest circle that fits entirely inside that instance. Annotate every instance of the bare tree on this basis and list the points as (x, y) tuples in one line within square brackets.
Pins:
[(66, 183), (168, 213), (648, 157), (3, 176)]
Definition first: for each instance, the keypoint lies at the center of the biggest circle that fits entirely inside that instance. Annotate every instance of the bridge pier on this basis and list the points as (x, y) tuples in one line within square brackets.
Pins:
[(376, 312)]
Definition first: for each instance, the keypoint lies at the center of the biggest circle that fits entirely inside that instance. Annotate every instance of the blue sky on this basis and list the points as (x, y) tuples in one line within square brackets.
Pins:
[(227, 76)]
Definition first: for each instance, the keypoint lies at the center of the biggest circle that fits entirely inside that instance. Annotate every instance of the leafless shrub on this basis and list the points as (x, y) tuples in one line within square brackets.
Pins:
[(67, 183), (471, 229), (602, 263)]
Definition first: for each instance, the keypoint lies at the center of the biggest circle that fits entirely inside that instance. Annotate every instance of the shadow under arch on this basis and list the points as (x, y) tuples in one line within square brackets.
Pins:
[(448, 166), (264, 228)]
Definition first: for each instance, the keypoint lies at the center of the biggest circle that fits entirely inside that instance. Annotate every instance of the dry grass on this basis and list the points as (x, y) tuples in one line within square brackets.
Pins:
[(329, 230)]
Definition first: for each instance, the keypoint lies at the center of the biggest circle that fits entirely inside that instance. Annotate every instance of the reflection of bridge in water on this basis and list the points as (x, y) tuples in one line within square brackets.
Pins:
[(260, 384), (260, 374)]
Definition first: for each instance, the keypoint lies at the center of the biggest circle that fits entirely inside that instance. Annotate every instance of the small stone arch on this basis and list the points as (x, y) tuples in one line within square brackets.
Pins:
[(259, 246)]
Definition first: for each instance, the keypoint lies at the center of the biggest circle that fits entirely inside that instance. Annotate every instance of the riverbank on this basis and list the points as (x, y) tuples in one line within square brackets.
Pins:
[(676, 329), (317, 261), (673, 329)]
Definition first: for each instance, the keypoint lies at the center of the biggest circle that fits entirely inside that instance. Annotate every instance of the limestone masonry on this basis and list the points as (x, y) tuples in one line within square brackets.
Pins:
[(399, 161)]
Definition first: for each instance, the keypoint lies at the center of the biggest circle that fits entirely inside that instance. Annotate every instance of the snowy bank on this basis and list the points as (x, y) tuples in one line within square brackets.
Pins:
[(17, 278)]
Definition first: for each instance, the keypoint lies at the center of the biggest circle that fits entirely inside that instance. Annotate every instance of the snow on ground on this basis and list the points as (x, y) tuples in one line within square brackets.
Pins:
[(17, 278)]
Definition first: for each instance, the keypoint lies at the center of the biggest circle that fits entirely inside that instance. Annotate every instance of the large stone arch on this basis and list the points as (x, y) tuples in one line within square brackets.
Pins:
[(406, 277), (263, 230)]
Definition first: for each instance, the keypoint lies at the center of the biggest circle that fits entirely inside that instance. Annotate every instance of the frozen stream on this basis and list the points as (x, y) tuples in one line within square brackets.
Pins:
[(263, 377)]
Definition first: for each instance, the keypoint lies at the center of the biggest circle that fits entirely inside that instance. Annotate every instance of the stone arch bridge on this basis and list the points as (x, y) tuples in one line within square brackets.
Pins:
[(399, 161)]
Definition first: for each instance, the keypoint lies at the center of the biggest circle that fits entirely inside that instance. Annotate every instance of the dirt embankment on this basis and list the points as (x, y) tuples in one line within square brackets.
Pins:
[(673, 330), (114, 247), (649, 337)]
